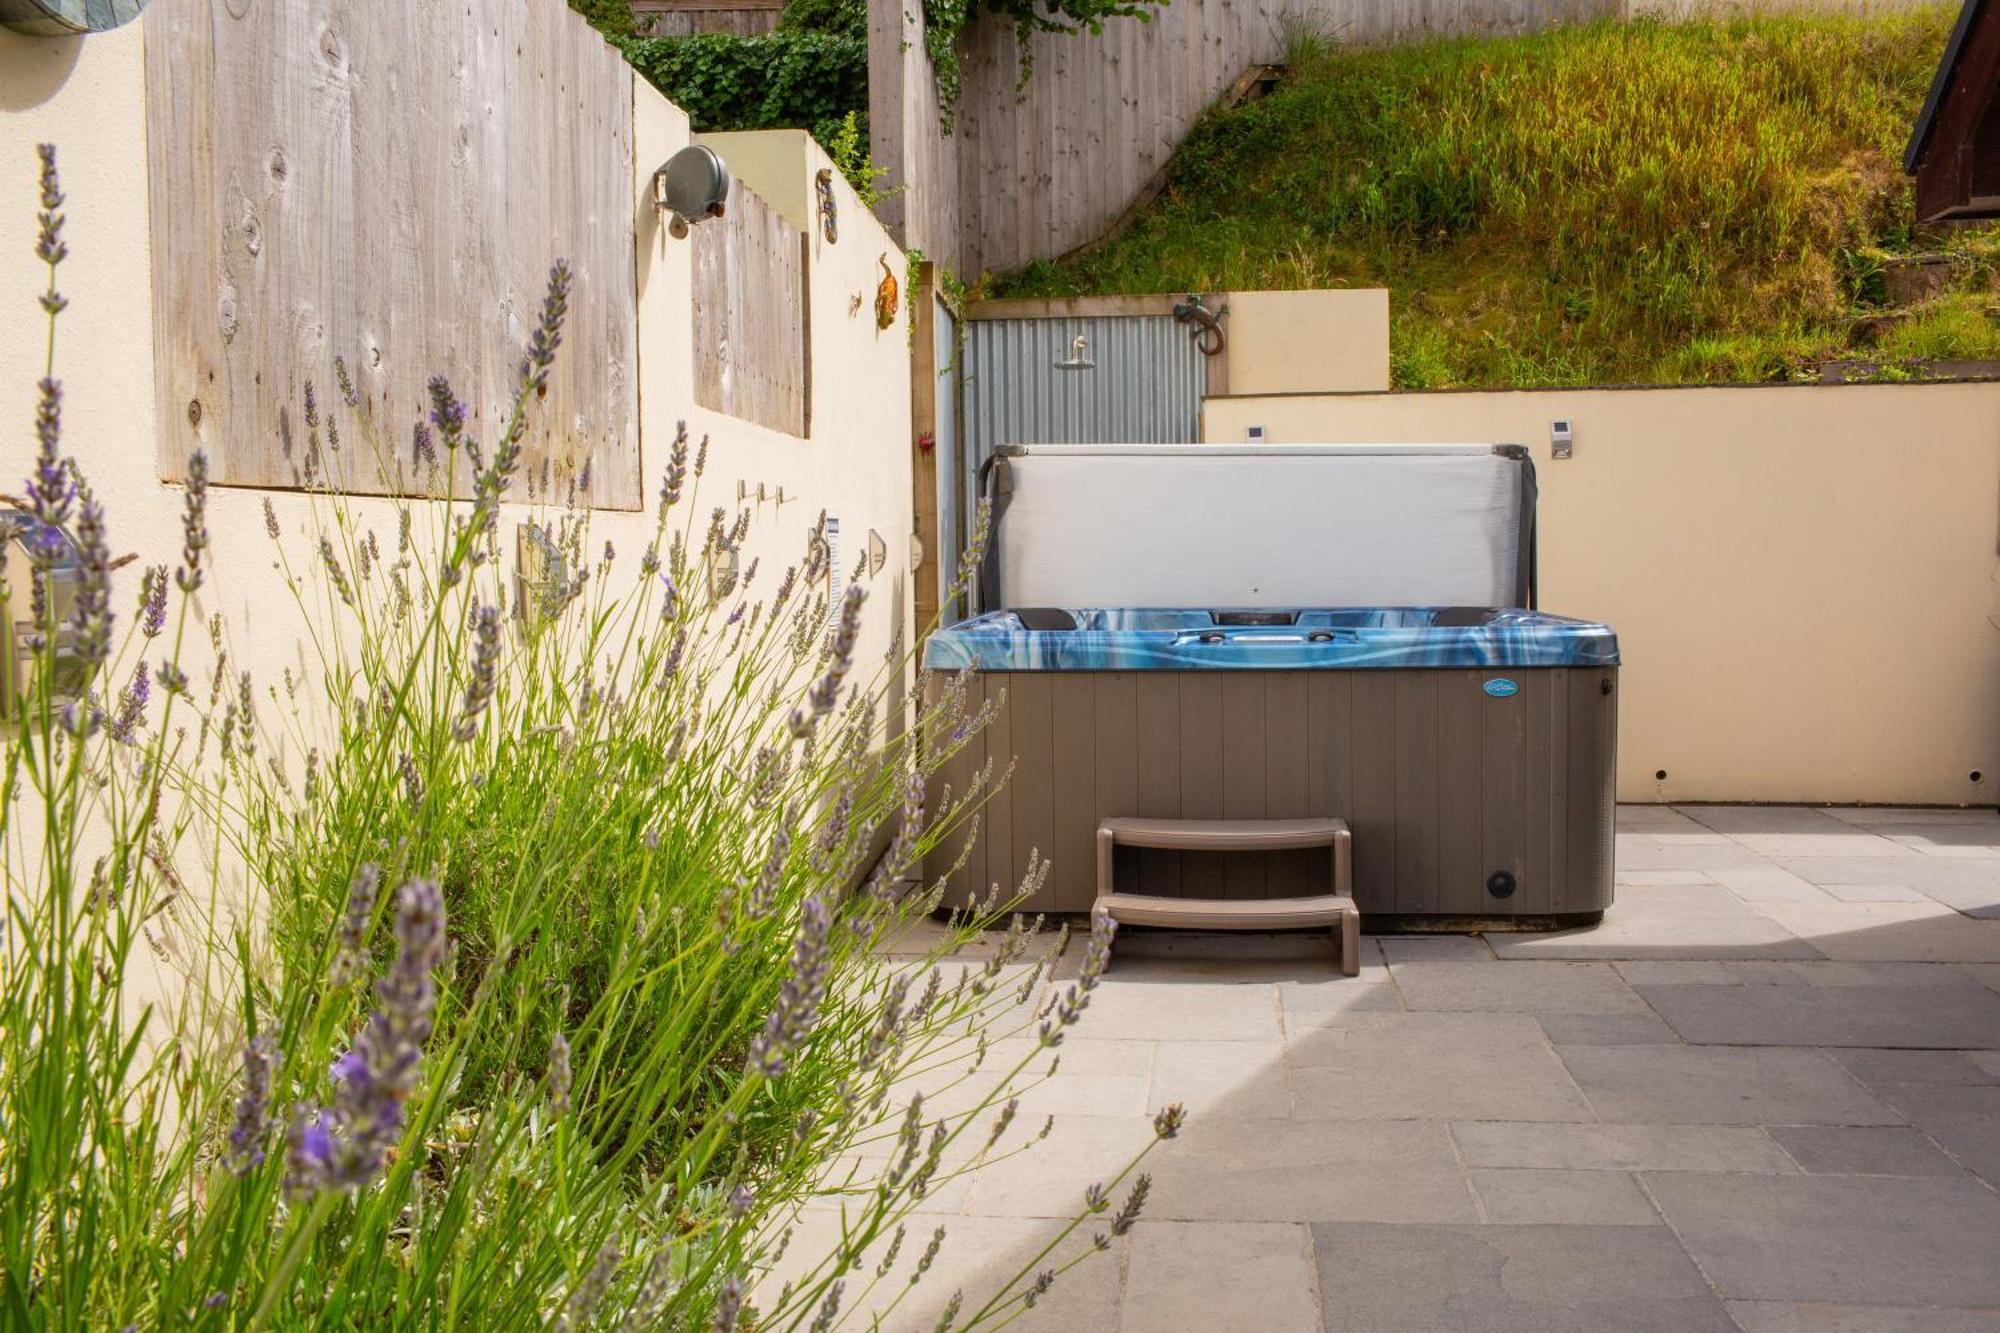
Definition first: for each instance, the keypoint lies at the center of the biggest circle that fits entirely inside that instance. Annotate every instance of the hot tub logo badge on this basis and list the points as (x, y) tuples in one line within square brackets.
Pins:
[(1502, 688)]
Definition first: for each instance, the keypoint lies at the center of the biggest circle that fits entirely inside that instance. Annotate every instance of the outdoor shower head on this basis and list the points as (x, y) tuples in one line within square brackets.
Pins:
[(1079, 355)]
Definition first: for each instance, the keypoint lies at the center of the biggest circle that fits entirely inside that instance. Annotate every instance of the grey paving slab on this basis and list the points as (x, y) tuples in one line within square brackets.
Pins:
[(1245, 1078), (1749, 1150), (1185, 1009), (1952, 840), (1958, 1016), (1650, 818), (1605, 1029), (1511, 1279), (1703, 899), (1237, 1169), (1445, 1066), (1583, 1198), (1708, 852), (1435, 948), (1722, 1085), (1372, 991), (1968, 884), (1964, 1119), (1872, 1241), (1654, 878), (1738, 820), (1046, 1177), (1197, 1276), (1863, 1150), (1798, 1317), (1517, 987), (1877, 1068), (1636, 934), (1986, 974), (977, 1255), (1768, 883), (1869, 816), (1915, 932)]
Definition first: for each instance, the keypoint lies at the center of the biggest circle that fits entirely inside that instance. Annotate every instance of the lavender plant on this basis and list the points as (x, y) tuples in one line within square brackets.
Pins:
[(526, 940)]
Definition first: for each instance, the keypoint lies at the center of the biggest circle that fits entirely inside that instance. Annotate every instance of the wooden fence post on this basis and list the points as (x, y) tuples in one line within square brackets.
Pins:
[(924, 437)]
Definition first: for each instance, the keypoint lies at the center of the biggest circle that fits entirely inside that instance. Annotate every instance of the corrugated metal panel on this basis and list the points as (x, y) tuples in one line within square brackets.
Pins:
[(1145, 386)]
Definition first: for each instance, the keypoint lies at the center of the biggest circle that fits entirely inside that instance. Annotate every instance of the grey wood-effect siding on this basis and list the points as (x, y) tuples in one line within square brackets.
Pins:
[(1442, 785), (388, 183), (751, 348)]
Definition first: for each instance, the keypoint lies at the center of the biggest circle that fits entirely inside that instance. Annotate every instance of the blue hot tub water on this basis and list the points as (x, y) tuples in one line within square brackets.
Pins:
[(1357, 638)]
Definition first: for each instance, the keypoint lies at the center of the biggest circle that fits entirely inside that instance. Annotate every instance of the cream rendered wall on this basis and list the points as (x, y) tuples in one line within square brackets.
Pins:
[(1308, 341), (88, 96), (768, 161), (1803, 579)]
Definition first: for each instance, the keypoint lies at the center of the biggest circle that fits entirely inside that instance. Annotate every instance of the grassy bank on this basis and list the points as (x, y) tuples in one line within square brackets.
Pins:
[(1641, 202)]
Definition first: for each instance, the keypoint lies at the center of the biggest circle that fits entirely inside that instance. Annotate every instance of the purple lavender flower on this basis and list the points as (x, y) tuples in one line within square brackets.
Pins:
[(728, 1305), (351, 956), (348, 393), (1135, 1202), (581, 1308), (483, 673), (557, 1078), (346, 1146), (423, 453), (797, 1011), (132, 700), (413, 780), (331, 559), (447, 413), (253, 1106), (1073, 1002), (52, 488), (194, 523), (828, 1307), (676, 473), (90, 621), (49, 245)]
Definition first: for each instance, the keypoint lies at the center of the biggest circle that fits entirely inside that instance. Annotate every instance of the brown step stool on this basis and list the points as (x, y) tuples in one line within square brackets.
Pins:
[(1235, 835)]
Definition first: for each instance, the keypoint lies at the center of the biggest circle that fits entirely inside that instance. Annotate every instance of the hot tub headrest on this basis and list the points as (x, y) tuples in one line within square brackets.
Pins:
[(1043, 617)]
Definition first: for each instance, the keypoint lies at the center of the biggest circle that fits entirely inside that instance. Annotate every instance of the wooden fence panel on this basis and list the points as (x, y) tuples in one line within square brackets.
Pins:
[(751, 358), (1045, 167), (684, 18), (388, 183)]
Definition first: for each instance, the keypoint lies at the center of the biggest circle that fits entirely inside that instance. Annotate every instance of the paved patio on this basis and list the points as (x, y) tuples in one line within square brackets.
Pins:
[(1763, 1095)]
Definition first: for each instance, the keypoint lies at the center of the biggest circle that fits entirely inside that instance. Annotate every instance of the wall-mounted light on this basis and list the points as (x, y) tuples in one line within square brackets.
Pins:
[(67, 18), (691, 186)]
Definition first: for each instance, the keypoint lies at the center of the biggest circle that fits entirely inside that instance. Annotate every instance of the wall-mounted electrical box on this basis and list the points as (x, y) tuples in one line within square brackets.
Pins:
[(1561, 439)]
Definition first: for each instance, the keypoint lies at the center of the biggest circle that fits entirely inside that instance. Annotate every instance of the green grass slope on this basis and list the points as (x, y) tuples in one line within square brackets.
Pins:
[(1646, 202)]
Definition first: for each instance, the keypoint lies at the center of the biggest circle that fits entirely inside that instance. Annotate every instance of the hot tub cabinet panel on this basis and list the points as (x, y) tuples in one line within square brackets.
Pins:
[(1474, 792)]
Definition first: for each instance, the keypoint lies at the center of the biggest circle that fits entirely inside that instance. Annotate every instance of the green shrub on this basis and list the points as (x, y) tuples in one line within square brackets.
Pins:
[(552, 994), (785, 79), (1577, 205)]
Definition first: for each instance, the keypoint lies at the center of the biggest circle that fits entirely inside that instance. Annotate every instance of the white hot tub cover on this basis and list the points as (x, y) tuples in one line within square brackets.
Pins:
[(1296, 525)]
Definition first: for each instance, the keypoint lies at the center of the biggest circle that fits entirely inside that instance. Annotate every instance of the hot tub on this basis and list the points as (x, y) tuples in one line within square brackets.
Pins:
[(1360, 641), (1470, 750)]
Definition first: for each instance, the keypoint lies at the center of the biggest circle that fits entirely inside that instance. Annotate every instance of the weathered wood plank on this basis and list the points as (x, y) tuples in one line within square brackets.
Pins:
[(390, 191), (749, 314), (1047, 166)]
